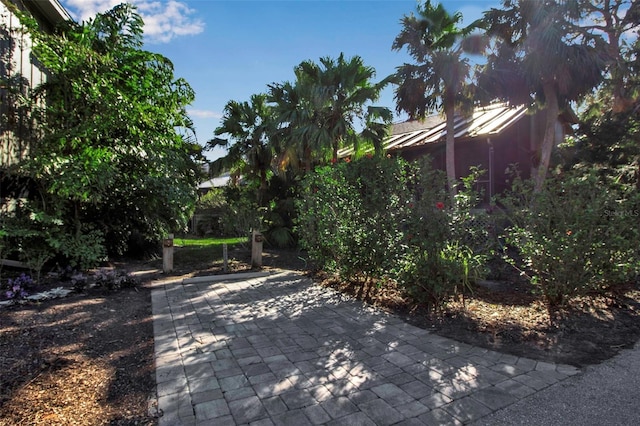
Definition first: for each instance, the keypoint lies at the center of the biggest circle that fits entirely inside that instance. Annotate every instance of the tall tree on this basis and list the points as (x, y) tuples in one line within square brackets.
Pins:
[(250, 126), (611, 26), (321, 108), (111, 159), (538, 58), (437, 80)]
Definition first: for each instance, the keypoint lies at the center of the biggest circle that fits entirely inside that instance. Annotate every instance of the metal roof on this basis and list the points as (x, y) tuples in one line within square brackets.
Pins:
[(217, 182), (483, 121)]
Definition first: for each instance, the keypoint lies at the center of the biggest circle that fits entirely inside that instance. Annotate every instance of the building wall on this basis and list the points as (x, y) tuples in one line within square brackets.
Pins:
[(20, 73), (514, 146)]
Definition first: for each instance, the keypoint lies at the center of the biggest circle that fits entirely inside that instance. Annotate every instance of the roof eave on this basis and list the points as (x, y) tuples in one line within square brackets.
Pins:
[(50, 10)]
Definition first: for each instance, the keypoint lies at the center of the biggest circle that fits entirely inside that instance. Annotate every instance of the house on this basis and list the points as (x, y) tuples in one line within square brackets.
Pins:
[(20, 72), (217, 182), (493, 138)]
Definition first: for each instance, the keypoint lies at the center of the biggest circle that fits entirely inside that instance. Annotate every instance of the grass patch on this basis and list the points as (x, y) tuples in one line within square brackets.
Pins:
[(191, 252), (208, 242)]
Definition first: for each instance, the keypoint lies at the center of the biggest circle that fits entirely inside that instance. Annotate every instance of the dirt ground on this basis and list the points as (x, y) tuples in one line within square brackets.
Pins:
[(87, 359)]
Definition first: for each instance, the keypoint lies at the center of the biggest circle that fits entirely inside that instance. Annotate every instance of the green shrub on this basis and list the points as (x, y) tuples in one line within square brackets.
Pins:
[(241, 213), (277, 225), (349, 215), (30, 236), (381, 218), (37, 238), (577, 236), (438, 259), (82, 251)]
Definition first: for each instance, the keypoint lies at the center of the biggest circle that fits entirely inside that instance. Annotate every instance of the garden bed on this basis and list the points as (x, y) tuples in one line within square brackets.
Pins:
[(85, 359)]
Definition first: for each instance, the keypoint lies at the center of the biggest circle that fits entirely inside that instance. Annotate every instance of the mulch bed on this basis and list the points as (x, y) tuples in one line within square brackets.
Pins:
[(511, 319), (87, 359)]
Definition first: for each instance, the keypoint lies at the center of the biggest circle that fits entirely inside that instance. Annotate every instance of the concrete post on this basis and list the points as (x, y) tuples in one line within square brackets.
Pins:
[(256, 249), (167, 254)]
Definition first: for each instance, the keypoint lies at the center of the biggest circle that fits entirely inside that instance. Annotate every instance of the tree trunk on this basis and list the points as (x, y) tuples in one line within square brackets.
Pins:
[(307, 160), (263, 186), (450, 157), (76, 219), (552, 109)]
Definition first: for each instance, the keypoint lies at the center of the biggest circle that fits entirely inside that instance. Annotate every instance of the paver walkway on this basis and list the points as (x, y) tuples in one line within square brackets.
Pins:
[(282, 350)]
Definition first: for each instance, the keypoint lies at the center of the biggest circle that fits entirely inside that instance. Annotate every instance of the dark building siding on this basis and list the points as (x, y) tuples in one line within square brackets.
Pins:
[(496, 154)]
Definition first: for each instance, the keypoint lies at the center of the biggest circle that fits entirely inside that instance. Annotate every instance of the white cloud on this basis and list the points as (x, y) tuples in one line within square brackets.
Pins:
[(201, 113), (163, 20)]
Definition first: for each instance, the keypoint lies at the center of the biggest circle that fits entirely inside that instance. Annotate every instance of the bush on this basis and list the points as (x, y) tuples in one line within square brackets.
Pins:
[(37, 238), (241, 213), (30, 236), (83, 251), (208, 213), (381, 218), (349, 215), (577, 236), (439, 260)]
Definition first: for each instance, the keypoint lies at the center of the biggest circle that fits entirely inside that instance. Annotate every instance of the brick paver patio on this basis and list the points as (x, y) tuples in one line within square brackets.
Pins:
[(280, 350)]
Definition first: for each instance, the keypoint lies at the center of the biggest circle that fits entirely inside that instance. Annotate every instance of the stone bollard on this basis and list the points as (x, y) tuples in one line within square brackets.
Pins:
[(256, 249), (167, 254)]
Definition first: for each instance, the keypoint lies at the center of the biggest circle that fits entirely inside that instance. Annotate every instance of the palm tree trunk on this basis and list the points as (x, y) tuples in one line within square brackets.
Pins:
[(263, 186), (552, 110), (450, 157)]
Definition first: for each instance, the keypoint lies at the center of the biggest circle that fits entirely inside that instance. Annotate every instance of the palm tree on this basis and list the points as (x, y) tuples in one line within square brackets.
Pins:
[(320, 109), (294, 144), (249, 126), (535, 57), (376, 128), (437, 80)]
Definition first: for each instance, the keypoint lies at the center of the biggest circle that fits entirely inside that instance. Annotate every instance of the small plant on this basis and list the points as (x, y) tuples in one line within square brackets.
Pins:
[(114, 279), (79, 281), (18, 287)]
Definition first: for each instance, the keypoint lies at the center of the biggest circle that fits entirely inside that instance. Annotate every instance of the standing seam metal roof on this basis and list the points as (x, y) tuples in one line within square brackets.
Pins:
[(484, 121)]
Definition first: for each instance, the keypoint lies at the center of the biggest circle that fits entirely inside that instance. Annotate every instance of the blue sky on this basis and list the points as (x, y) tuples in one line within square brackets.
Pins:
[(231, 49)]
